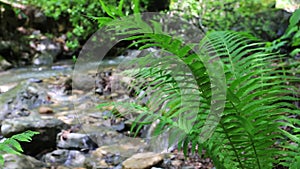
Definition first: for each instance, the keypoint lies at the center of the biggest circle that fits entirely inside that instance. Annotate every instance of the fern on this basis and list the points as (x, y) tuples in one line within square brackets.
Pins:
[(12, 146), (234, 95)]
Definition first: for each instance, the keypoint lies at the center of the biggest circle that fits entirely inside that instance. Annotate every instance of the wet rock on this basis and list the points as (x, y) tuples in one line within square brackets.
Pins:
[(119, 127), (20, 100), (21, 162), (113, 159), (142, 161), (94, 164), (167, 163), (49, 47), (75, 158), (56, 157), (67, 140), (43, 59), (60, 84), (47, 127), (45, 110), (103, 135), (66, 157), (35, 80), (103, 82)]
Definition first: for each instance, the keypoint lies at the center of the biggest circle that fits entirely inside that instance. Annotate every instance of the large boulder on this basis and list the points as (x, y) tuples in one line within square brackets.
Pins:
[(47, 127)]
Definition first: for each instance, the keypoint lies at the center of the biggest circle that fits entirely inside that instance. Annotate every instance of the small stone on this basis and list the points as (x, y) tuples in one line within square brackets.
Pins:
[(79, 92), (102, 164), (176, 163), (188, 167), (45, 110), (142, 160)]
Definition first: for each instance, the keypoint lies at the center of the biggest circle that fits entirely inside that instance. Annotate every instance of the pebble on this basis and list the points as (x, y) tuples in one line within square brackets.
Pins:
[(45, 110)]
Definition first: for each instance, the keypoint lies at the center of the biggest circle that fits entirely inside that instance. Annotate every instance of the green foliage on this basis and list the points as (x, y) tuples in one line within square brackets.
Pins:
[(290, 39), (80, 14), (257, 17), (114, 12), (259, 100), (77, 11), (12, 146)]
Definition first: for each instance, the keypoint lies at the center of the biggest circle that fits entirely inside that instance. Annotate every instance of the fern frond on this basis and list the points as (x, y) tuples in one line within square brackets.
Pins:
[(12, 145), (247, 125)]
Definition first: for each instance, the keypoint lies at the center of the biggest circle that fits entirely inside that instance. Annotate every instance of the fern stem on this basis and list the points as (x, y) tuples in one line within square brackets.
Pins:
[(250, 137), (232, 145), (255, 152)]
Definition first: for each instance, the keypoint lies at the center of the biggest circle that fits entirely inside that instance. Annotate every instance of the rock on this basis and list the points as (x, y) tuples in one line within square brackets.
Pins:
[(176, 163), (45, 110), (142, 161), (123, 150), (39, 17), (4, 64), (56, 157), (188, 167), (75, 158), (21, 99), (289, 6), (66, 157), (21, 124), (103, 84), (104, 136), (62, 167), (48, 47), (67, 140), (21, 162), (119, 127), (54, 48), (83, 82), (61, 84), (35, 80), (92, 164), (43, 59), (5, 45), (48, 128)]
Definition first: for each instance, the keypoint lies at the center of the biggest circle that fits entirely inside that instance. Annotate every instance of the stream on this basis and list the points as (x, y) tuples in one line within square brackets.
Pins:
[(73, 132)]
